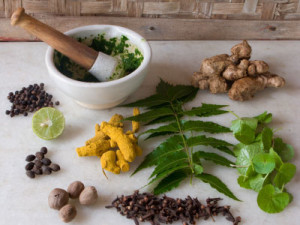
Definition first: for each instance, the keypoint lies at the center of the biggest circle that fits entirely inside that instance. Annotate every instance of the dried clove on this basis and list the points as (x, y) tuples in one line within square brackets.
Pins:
[(147, 207)]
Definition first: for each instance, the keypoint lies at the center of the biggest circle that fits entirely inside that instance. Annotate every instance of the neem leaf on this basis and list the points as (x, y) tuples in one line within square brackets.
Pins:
[(175, 159), (209, 141), (168, 172), (244, 129), (171, 92), (266, 138), (285, 151), (208, 127), (168, 147), (285, 173), (206, 110), (265, 117), (263, 163), (245, 157), (153, 100), (151, 115), (162, 119), (172, 128), (213, 157), (272, 201), (216, 183), (257, 182), (170, 182)]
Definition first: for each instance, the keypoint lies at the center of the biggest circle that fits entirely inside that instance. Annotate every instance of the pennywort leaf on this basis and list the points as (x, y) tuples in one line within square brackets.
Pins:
[(266, 138), (217, 184), (271, 200), (265, 117), (285, 173), (285, 151), (263, 163)]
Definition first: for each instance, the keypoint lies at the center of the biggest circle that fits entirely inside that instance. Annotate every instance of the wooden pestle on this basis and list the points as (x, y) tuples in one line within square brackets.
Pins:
[(78, 52)]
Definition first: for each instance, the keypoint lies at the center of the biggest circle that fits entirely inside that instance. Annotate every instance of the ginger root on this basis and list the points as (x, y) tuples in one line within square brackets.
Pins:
[(114, 146), (224, 73)]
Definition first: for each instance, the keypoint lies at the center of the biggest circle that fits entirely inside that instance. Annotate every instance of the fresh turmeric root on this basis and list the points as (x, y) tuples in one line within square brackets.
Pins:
[(235, 74), (114, 146)]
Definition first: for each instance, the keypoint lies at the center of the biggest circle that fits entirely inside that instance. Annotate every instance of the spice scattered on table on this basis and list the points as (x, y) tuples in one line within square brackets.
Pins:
[(29, 99), (59, 199), (115, 147), (236, 74), (38, 164), (148, 207)]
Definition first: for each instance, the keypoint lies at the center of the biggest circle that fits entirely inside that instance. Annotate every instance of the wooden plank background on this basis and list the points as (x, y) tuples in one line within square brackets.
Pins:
[(164, 19)]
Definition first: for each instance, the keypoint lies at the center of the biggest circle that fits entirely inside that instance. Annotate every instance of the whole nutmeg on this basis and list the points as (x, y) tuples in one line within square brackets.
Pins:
[(75, 189), (58, 198), (88, 196), (67, 213)]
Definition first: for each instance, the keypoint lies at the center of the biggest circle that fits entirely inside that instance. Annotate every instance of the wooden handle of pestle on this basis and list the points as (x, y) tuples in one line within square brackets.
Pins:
[(78, 52)]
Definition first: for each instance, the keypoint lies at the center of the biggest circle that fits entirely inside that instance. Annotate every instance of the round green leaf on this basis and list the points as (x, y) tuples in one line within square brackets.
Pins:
[(272, 201), (263, 163), (285, 173)]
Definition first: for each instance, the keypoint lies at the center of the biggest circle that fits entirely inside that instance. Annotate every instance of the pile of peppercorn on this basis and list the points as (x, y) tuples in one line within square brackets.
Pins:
[(38, 164), (29, 99), (147, 207)]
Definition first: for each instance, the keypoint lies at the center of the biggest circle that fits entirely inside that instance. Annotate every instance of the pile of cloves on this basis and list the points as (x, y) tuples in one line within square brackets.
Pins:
[(147, 207)]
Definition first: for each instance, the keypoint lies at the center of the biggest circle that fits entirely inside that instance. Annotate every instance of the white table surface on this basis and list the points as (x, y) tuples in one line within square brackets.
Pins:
[(24, 201)]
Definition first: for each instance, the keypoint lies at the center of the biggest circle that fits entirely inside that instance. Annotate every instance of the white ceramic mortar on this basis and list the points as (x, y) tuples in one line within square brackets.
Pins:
[(108, 94)]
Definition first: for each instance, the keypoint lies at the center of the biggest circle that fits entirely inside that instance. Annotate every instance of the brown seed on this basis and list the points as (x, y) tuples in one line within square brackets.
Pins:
[(46, 170), (75, 189), (54, 167), (29, 166), (44, 150), (30, 173), (39, 155), (46, 161), (67, 213), (30, 158), (58, 198), (36, 170), (88, 196), (38, 163)]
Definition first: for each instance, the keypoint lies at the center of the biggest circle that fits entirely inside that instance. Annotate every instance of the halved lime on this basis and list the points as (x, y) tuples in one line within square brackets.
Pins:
[(48, 123)]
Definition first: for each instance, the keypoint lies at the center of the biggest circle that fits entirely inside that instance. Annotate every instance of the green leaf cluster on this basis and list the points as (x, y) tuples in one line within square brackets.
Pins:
[(180, 156), (262, 161)]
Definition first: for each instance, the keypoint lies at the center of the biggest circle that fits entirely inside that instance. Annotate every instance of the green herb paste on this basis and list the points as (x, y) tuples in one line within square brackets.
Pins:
[(128, 55)]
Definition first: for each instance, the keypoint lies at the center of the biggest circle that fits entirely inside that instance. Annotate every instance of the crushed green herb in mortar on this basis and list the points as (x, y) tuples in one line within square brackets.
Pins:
[(128, 55)]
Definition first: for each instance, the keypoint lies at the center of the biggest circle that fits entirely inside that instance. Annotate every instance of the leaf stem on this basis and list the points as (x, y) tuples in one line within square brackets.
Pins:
[(186, 148), (234, 114)]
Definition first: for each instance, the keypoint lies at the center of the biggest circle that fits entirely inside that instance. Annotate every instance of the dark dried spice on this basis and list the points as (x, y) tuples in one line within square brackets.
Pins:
[(29, 166), (39, 155), (46, 170), (28, 99), (30, 173), (46, 161), (30, 158), (147, 207), (54, 167), (44, 150)]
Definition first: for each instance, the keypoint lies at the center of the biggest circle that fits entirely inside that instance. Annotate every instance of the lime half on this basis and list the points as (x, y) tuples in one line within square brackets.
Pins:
[(48, 123)]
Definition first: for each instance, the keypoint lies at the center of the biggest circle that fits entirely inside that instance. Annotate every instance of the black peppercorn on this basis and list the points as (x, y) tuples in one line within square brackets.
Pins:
[(30, 158)]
